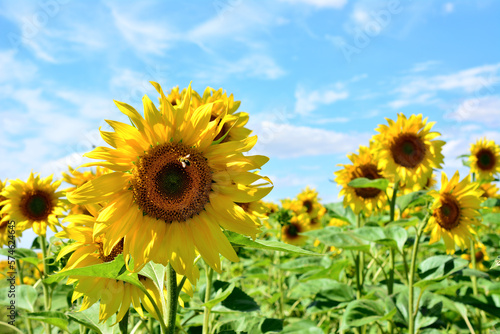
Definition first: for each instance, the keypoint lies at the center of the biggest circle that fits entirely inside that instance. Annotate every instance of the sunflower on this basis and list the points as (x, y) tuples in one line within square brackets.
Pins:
[(5, 236), (115, 296), (485, 159), (174, 97), (490, 190), (291, 231), (309, 203), (361, 199), (271, 208), (77, 179), (481, 255), (173, 186), (454, 211), (34, 204), (407, 150)]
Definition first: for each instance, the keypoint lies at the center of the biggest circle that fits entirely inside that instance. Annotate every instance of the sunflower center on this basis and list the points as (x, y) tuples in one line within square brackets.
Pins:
[(371, 172), (309, 205), (172, 182), (36, 205), (408, 150), (485, 159), (448, 215), (292, 230), (479, 256), (244, 206), (117, 250)]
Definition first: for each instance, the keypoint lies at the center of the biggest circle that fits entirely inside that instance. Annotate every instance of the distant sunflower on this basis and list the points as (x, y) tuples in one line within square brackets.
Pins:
[(77, 179), (309, 203), (407, 150), (33, 204), (115, 296), (291, 232), (174, 186), (490, 190), (174, 96), (481, 256), (454, 211), (271, 208), (361, 199), (485, 159)]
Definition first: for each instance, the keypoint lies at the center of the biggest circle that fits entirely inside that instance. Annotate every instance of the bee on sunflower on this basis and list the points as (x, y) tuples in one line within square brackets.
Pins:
[(454, 212), (173, 185), (364, 165), (485, 159), (407, 150), (33, 204)]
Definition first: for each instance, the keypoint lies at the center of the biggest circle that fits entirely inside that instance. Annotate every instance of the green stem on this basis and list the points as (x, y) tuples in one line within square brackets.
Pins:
[(209, 272), (171, 299), (281, 305), (123, 324), (21, 281), (474, 282), (46, 294), (411, 316), (390, 281)]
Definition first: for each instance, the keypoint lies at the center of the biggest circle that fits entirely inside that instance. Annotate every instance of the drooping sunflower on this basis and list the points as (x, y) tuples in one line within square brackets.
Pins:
[(454, 212), (115, 296), (174, 186), (407, 150), (291, 231), (33, 204), (485, 159), (361, 199), (77, 179)]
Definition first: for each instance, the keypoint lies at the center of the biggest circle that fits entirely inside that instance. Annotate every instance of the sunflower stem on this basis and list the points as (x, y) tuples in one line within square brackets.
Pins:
[(123, 324), (411, 316), (390, 281), (474, 282), (171, 299), (209, 272), (21, 281), (46, 294)]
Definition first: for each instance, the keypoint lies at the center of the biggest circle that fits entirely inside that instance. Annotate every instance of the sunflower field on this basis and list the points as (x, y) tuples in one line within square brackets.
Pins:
[(168, 230)]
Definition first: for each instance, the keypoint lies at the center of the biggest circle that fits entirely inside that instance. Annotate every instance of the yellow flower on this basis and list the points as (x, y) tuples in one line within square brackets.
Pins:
[(77, 179), (454, 211), (115, 296), (35, 203), (407, 150), (6, 236), (271, 208), (489, 190), (481, 255), (291, 232), (174, 97), (361, 199), (174, 186), (338, 222), (485, 159)]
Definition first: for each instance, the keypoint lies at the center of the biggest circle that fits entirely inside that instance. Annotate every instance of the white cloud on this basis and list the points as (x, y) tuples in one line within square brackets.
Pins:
[(335, 4), (330, 120), (424, 66), (448, 7), (426, 98), (13, 69), (308, 101), (291, 141), (484, 109)]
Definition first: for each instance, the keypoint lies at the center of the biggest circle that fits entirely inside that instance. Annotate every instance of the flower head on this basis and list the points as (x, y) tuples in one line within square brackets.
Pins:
[(485, 159)]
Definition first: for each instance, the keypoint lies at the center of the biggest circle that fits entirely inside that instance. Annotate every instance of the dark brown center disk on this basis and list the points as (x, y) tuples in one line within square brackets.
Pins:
[(485, 159), (408, 150), (448, 215), (172, 182), (292, 230), (36, 205), (369, 171), (117, 250), (309, 206)]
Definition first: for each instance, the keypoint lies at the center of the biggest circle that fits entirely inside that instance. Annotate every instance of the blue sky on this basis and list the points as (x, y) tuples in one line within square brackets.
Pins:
[(316, 76)]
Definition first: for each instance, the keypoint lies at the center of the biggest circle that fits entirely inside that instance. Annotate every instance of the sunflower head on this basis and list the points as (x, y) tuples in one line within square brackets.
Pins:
[(490, 190), (76, 179), (407, 150), (35, 203), (485, 159), (175, 185), (291, 232), (454, 212), (5, 236), (363, 165)]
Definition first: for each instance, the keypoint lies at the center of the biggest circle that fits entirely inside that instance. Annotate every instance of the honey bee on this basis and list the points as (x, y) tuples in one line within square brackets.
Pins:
[(184, 161)]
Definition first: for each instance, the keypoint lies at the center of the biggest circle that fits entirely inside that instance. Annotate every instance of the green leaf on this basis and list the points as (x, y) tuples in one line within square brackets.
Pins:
[(241, 240), (333, 236), (493, 217), (302, 327), (18, 253), (491, 202), (156, 272), (337, 210), (391, 236), (24, 296), (237, 299), (7, 329), (440, 266), (484, 303), (271, 325), (496, 263), (411, 199), (362, 312), (57, 319), (339, 292), (362, 182), (90, 319), (303, 264), (220, 295)]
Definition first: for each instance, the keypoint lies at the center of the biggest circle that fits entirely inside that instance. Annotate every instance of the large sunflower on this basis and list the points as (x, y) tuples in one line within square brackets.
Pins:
[(361, 199), (407, 150), (6, 236), (174, 186), (35, 203), (454, 211), (115, 296), (485, 159), (77, 179)]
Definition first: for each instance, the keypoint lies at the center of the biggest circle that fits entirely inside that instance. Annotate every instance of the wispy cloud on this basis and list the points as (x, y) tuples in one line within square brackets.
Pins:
[(308, 101), (13, 69), (484, 110), (335, 4)]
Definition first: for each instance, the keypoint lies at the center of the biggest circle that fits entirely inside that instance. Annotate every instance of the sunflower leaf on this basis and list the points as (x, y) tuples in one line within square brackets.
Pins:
[(24, 296), (362, 312), (57, 319), (18, 253), (363, 182), (90, 319), (241, 240)]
